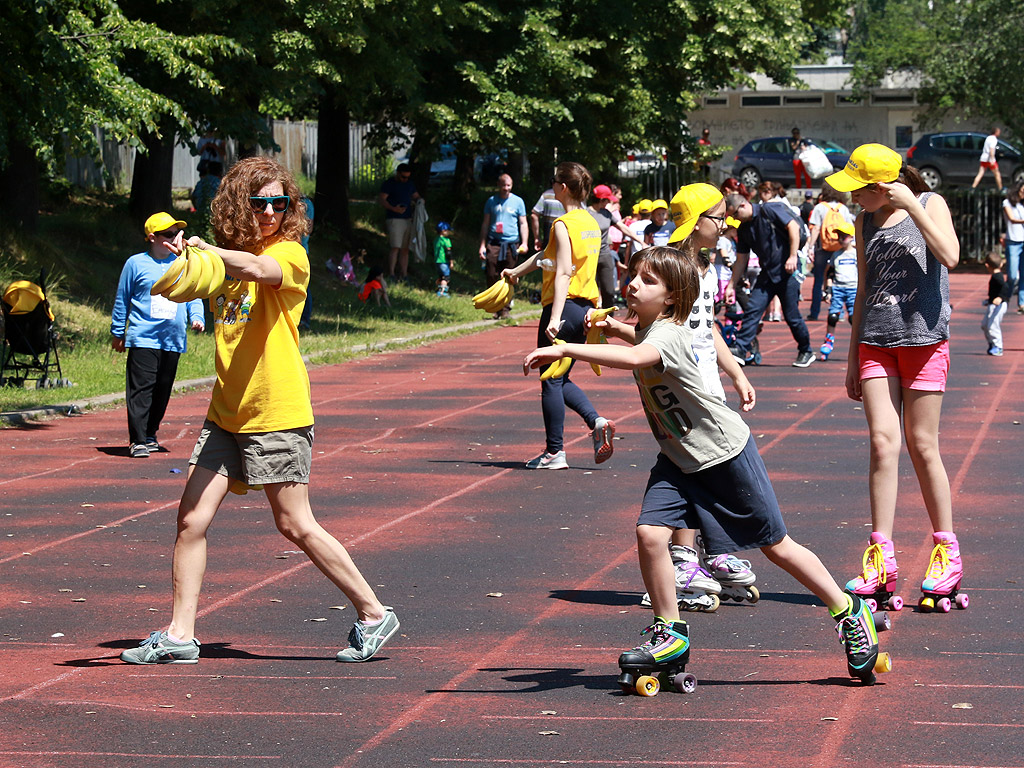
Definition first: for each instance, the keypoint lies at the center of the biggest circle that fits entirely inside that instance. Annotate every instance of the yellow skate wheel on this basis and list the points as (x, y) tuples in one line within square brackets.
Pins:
[(883, 663), (646, 685)]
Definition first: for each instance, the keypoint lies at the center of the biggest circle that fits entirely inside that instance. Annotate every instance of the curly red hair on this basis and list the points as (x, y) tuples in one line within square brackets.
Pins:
[(234, 223)]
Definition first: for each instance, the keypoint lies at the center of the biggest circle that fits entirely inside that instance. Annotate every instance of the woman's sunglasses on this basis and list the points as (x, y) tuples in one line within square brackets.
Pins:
[(279, 203)]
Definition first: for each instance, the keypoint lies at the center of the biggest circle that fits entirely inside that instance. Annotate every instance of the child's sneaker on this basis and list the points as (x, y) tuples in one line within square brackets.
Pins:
[(548, 461), (995, 351), (364, 641), (604, 432), (158, 648), (856, 628)]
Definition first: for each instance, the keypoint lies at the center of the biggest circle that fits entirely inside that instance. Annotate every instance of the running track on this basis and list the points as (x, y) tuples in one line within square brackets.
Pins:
[(418, 470)]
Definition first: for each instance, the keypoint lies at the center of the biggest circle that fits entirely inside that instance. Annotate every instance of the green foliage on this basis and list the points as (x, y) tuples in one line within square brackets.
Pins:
[(962, 52)]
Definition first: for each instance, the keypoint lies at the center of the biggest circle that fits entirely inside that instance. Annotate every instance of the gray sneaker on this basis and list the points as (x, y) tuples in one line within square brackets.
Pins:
[(364, 641), (804, 359), (549, 461), (159, 649)]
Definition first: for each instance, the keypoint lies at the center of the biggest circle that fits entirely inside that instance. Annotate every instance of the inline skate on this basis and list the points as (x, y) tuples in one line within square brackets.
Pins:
[(941, 586), (733, 575), (661, 659), (696, 590), (827, 347), (858, 630), (877, 581)]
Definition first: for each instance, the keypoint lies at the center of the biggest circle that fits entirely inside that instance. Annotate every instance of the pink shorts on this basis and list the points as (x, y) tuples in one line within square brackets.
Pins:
[(923, 368)]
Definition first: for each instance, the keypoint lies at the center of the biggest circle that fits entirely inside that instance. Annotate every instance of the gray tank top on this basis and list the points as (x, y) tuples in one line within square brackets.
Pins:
[(907, 289)]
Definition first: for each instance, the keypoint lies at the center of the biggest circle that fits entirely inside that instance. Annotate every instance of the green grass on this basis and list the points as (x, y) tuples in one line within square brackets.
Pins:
[(84, 240)]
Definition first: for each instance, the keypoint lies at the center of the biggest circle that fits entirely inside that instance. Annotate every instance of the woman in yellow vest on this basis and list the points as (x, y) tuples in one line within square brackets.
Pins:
[(568, 292), (259, 428)]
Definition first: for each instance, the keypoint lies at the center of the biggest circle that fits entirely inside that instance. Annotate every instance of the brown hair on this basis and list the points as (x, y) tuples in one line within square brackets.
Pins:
[(234, 223), (910, 176), (576, 178), (831, 195), (1016, 192), (994, 259), (678, 270)]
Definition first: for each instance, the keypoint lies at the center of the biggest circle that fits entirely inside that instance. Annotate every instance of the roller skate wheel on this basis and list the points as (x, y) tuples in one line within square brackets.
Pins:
[(926, 604), (753, 595), (647, 685), (883, 663), (717, 601), (962, 601), (895, 603), (685, 683), (872, 604), (944, 604), (882, 622)]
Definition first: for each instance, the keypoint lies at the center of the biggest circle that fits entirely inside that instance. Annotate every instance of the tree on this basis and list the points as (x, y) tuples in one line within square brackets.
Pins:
[(961, 52), (64, 74)]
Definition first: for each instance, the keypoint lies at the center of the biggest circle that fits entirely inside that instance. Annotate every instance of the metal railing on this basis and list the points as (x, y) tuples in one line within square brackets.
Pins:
[(978, 221)]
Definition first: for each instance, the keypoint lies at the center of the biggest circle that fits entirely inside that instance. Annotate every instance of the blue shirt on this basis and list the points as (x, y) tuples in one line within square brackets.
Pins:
[(150, 322), (504, 215), (766, 235), (399, 193)]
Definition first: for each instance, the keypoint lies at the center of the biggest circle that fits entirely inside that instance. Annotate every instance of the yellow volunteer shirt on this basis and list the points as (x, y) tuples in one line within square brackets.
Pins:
[(585, 236), (262, 384)]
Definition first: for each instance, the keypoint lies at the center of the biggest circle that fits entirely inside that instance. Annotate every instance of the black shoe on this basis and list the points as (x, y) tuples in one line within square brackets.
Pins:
[(804, 359)]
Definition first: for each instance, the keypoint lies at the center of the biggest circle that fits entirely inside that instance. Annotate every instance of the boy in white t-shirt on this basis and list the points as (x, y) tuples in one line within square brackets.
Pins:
[(988, 160), (841, 278)]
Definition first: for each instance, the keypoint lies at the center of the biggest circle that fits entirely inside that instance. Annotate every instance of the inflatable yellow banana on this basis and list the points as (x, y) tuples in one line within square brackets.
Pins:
[(170, 276), (558, 368)]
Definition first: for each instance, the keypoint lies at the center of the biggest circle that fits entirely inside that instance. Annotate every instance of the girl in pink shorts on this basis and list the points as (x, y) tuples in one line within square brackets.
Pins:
[(899, 360)]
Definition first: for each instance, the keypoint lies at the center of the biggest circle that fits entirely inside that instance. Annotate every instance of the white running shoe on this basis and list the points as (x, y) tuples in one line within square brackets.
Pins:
[(604, 432), (548, 461)]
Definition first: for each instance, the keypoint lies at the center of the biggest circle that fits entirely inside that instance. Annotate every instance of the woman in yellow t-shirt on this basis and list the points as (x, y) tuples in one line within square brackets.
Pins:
[(259, 428), (568, 292)]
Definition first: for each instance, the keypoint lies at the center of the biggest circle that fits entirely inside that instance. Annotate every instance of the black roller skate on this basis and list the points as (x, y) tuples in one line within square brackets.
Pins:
[(858, 630), (662, 658)]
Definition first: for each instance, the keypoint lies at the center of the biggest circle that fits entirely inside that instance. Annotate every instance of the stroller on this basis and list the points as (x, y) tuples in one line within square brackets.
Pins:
[(29, 337)]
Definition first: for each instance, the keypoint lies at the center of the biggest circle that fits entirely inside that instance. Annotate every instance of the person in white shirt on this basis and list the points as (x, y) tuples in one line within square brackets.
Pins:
[(989, 160)]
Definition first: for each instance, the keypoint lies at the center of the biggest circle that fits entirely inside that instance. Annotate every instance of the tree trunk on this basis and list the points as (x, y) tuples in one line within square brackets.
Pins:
[(463, 183), (151, 177), (420, 168), (332, 168), (19, 186)]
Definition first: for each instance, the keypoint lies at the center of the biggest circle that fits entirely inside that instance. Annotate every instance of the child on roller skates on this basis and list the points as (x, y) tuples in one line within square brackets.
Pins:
[(443, 257), (698, 585), (899, 360), (841, 283), (709, 474)]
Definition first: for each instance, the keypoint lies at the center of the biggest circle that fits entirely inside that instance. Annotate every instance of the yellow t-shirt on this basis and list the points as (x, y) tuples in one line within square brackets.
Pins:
[(262, 384), (585, 236)]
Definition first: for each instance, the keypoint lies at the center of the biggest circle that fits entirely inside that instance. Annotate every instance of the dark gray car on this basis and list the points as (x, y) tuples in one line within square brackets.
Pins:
[(771, 159), (952, 158)]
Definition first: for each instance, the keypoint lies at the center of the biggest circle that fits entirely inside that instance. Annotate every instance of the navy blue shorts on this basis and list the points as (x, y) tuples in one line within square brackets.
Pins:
[(732, 503)]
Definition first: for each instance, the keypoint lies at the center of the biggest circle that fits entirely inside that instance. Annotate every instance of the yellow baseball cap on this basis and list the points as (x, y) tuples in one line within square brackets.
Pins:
[(659, 203), (732, 222), (158, 222), (687, 206), (644, 205), (636, 209), (846, 228), (868, 164)]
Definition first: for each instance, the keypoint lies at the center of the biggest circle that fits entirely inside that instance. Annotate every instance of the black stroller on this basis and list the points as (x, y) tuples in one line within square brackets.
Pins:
[(29, 337)]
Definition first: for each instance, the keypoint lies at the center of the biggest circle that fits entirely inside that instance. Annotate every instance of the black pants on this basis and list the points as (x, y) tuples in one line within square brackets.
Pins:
[(149, 378)]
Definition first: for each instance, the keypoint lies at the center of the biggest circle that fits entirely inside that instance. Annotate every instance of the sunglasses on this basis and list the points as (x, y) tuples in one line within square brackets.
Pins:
[(170, 234), (279, 203)]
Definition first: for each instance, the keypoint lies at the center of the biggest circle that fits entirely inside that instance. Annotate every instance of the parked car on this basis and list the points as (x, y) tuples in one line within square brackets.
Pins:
[(952, 158), (637, 161), (771, 159)]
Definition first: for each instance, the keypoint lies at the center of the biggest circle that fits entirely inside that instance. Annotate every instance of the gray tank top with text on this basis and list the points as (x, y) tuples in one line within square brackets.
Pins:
[(906, 302)]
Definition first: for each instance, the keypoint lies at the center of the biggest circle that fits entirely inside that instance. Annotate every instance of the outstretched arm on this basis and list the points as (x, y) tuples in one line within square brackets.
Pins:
[(610, 355)]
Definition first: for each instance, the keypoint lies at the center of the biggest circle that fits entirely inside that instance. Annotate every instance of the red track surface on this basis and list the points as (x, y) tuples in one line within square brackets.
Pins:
[(418, 470)]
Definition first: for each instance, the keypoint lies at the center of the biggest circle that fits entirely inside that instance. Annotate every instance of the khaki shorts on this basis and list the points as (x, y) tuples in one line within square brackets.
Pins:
[(256, 458), (399, 232)]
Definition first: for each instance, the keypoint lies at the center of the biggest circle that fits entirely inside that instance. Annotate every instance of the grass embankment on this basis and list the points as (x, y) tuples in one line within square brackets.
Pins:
[(84, 241)]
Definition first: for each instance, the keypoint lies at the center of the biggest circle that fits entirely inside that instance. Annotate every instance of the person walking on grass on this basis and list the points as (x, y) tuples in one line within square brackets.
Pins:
[(569, 289), (898, 361), (709, 474), (259, 428), (153, 330)]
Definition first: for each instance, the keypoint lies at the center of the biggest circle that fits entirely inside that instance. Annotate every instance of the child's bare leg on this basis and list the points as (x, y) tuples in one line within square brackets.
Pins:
[(657, 570), (882, 404), (685, 537), (921, 424), (804, 566)]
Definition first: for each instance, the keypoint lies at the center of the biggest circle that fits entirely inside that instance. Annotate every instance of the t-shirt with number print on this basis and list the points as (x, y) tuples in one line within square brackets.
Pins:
[(693, 428)]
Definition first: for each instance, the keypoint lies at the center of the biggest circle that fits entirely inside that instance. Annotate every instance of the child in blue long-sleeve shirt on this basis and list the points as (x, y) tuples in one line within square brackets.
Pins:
[(153, 330)]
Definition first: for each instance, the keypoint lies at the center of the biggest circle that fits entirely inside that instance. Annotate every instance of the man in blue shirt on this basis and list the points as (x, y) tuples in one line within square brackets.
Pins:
[(152, 329), (397, 195), (504, 233), (770, 230)]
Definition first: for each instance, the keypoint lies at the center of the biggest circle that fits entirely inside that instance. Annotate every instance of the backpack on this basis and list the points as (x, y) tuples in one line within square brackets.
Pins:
[(829, 236)]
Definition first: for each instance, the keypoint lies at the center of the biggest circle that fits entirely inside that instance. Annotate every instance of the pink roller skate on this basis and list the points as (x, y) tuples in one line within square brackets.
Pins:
[(877, 582), (941, 585)]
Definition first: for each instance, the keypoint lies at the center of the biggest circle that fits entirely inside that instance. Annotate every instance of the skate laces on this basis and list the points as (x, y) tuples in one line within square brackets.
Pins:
[(730, 563), (692, 571), (939, 562), (874, 560), (852, 633)]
